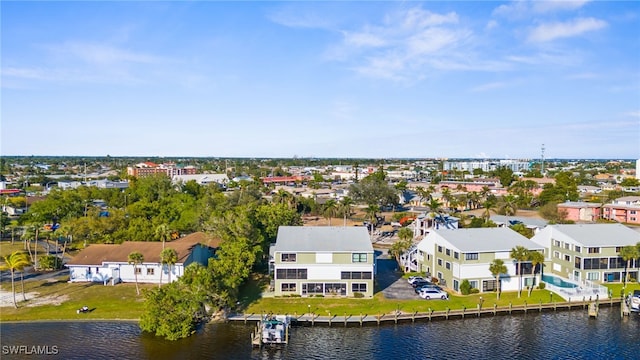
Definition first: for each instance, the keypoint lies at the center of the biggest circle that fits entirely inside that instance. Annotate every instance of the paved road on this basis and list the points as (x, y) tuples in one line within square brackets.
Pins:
[(390, 280)]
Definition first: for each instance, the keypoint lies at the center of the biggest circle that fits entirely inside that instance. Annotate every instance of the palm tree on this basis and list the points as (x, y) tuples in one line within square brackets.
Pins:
[(627, 253), (135, 258), (434, 205), (488, 205), (329, 209), (497, 267), (371, 215), (536, 258), (170, 257), (509, 206), (519, 254), (345, 208), (15, 261), (405, 234), (163, 233), (446, 196)]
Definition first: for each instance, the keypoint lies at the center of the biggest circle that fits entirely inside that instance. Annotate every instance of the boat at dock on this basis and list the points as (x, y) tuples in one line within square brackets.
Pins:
[(272, 330)]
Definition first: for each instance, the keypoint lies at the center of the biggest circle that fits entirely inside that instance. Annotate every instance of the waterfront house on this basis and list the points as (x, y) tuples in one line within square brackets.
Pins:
[(587, 251), (452, 256), (109, 262), (323, 260)]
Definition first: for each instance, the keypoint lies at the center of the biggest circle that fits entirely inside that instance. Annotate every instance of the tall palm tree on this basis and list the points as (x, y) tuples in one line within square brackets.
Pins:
[(627, 253), (519, 254), (345, 208), (169, 257), (15, 261), (489, 206), (434, 205), (135, 258), (163, 233), (497, 267), (509, 206), (371, 214), (446, 196), (329, 209), (536, 258)]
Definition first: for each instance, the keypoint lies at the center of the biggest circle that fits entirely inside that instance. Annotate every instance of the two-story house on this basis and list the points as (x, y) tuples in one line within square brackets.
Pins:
[(323, 260), (625, 209), (452, 256), (587, 251)]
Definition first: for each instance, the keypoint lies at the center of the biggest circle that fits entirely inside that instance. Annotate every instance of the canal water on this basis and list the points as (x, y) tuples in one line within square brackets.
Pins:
[(550, 335)]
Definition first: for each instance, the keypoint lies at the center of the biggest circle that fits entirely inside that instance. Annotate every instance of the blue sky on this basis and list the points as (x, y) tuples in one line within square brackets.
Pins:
[(378, 79)]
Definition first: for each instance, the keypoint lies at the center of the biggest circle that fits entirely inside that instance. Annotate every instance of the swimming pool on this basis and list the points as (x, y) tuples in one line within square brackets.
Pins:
[(553, 280)]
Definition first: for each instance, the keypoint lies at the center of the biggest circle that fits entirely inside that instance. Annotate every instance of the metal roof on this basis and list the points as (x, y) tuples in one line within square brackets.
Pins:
[(485, 239), (598, 234), (323, 239)]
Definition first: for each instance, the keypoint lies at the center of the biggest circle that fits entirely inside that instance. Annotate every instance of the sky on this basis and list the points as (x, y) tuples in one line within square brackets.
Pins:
[(383, 79)]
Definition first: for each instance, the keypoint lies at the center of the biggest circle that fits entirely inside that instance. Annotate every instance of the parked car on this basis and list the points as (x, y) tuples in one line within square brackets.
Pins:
[(422, 283), (428, 286), (430, 293), (413, 279)]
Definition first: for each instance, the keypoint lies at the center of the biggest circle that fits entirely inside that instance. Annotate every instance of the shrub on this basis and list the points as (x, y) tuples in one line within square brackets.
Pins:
[(49, 262), (319, 295), (358, 295), (542, 285), (474, 291), (465, 287)]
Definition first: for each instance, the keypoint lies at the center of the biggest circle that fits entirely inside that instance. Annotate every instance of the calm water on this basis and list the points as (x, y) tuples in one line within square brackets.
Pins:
[(561, 335)]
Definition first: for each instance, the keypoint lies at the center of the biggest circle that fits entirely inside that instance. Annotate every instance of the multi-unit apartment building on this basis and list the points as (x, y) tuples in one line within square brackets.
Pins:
[(625, 209), (587, 251), (453, 256), (323, 260)]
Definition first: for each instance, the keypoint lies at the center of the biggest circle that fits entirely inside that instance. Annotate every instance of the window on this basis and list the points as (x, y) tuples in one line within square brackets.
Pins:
[(471, 256), (359, 257), (357, 275), (150, 271), (448, 265), (456, 255), (617, 263), (567, 246), (489, 285), (448, 252), (577, 262), (567, 258), (593, 275), (288, 287), (439, 248), (618, 249), (594, 250), (439, 275), (473, 283), (577, 248), (335, 289), (288, 257), (291, 274), (556, 254), (556, 243), (456, 285), (138, 270), (439, 262), (359, 287), (312, 288)]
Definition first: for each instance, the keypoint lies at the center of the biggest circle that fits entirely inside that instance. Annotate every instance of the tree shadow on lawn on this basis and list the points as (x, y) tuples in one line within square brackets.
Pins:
[(252, 290)]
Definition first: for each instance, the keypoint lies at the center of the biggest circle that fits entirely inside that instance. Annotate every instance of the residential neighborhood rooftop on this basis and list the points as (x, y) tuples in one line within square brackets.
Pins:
[(485, 239), (322, 238), (598, 234)]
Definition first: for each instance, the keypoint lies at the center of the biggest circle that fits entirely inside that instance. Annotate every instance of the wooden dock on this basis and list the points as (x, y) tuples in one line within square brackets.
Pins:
[(312, 319)]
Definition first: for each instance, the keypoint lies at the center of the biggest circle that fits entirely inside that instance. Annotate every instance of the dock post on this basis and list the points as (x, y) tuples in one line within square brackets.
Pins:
[(584, 304), (447, 314), (464, 308), (413, 318), (313, 318), (244, 314), (329, 318), (378, 319), (345, 319), (495, 309), (525, 306), (395, 319), (540, 306), (430, 313), (360, 319), (510, 307), (478, 310), (554, 306)]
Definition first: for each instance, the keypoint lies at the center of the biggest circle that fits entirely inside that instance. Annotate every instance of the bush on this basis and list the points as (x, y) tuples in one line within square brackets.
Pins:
[(465, 287), (358, 295), (319, 295), (474, 291), (49, 262), (542, 285)]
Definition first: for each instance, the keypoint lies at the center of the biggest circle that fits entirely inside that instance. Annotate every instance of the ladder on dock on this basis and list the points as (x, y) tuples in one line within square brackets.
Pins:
[(593, 310)]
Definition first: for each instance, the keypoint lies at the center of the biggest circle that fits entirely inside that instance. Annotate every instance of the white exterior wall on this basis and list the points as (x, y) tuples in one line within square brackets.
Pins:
[(84, 273), (508, 281), (329, 271)]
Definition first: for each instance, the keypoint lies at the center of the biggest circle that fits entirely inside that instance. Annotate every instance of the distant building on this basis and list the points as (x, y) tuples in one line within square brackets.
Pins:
[(625, 209), (514, 165), (149, 168), (202, 179), (580, 211)]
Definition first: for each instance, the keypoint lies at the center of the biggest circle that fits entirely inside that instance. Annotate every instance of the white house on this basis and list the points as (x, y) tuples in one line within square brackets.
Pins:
[(109, 263)]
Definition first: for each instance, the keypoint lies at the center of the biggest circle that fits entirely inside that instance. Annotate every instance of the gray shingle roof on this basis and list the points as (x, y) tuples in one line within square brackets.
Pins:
[(322, 239), (599, 234), (486, 239)]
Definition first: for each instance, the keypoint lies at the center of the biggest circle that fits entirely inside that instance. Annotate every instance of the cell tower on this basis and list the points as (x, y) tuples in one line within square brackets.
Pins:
[(542, 166)]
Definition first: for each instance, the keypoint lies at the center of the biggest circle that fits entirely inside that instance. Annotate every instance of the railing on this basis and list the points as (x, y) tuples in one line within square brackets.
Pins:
[(584, 290)]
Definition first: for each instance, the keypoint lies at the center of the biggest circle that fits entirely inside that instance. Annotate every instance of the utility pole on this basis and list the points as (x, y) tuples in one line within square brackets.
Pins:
[(542, 166)]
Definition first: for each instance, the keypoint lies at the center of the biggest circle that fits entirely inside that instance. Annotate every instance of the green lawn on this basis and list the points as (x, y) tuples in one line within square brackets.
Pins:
[(616, 288), (108, 302)]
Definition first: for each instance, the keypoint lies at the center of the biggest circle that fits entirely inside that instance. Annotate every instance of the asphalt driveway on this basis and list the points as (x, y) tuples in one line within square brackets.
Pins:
[(390, 281)]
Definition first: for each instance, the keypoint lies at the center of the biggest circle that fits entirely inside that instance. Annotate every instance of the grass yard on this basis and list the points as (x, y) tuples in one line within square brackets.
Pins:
[(61, 299)]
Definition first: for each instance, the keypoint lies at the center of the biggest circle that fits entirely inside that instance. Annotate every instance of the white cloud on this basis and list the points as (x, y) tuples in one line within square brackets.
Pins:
[(492, 24), (97, 53), (635, 114), (522, 9), (489, 86), (363, 39), (551, 31), (556, 5)]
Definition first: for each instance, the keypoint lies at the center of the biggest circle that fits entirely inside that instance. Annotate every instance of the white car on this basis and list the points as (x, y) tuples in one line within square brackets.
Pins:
[(635, 301), (433, 293)]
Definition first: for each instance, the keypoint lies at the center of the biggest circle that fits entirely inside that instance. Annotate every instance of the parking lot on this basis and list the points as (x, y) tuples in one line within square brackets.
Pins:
[(390, 280)]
